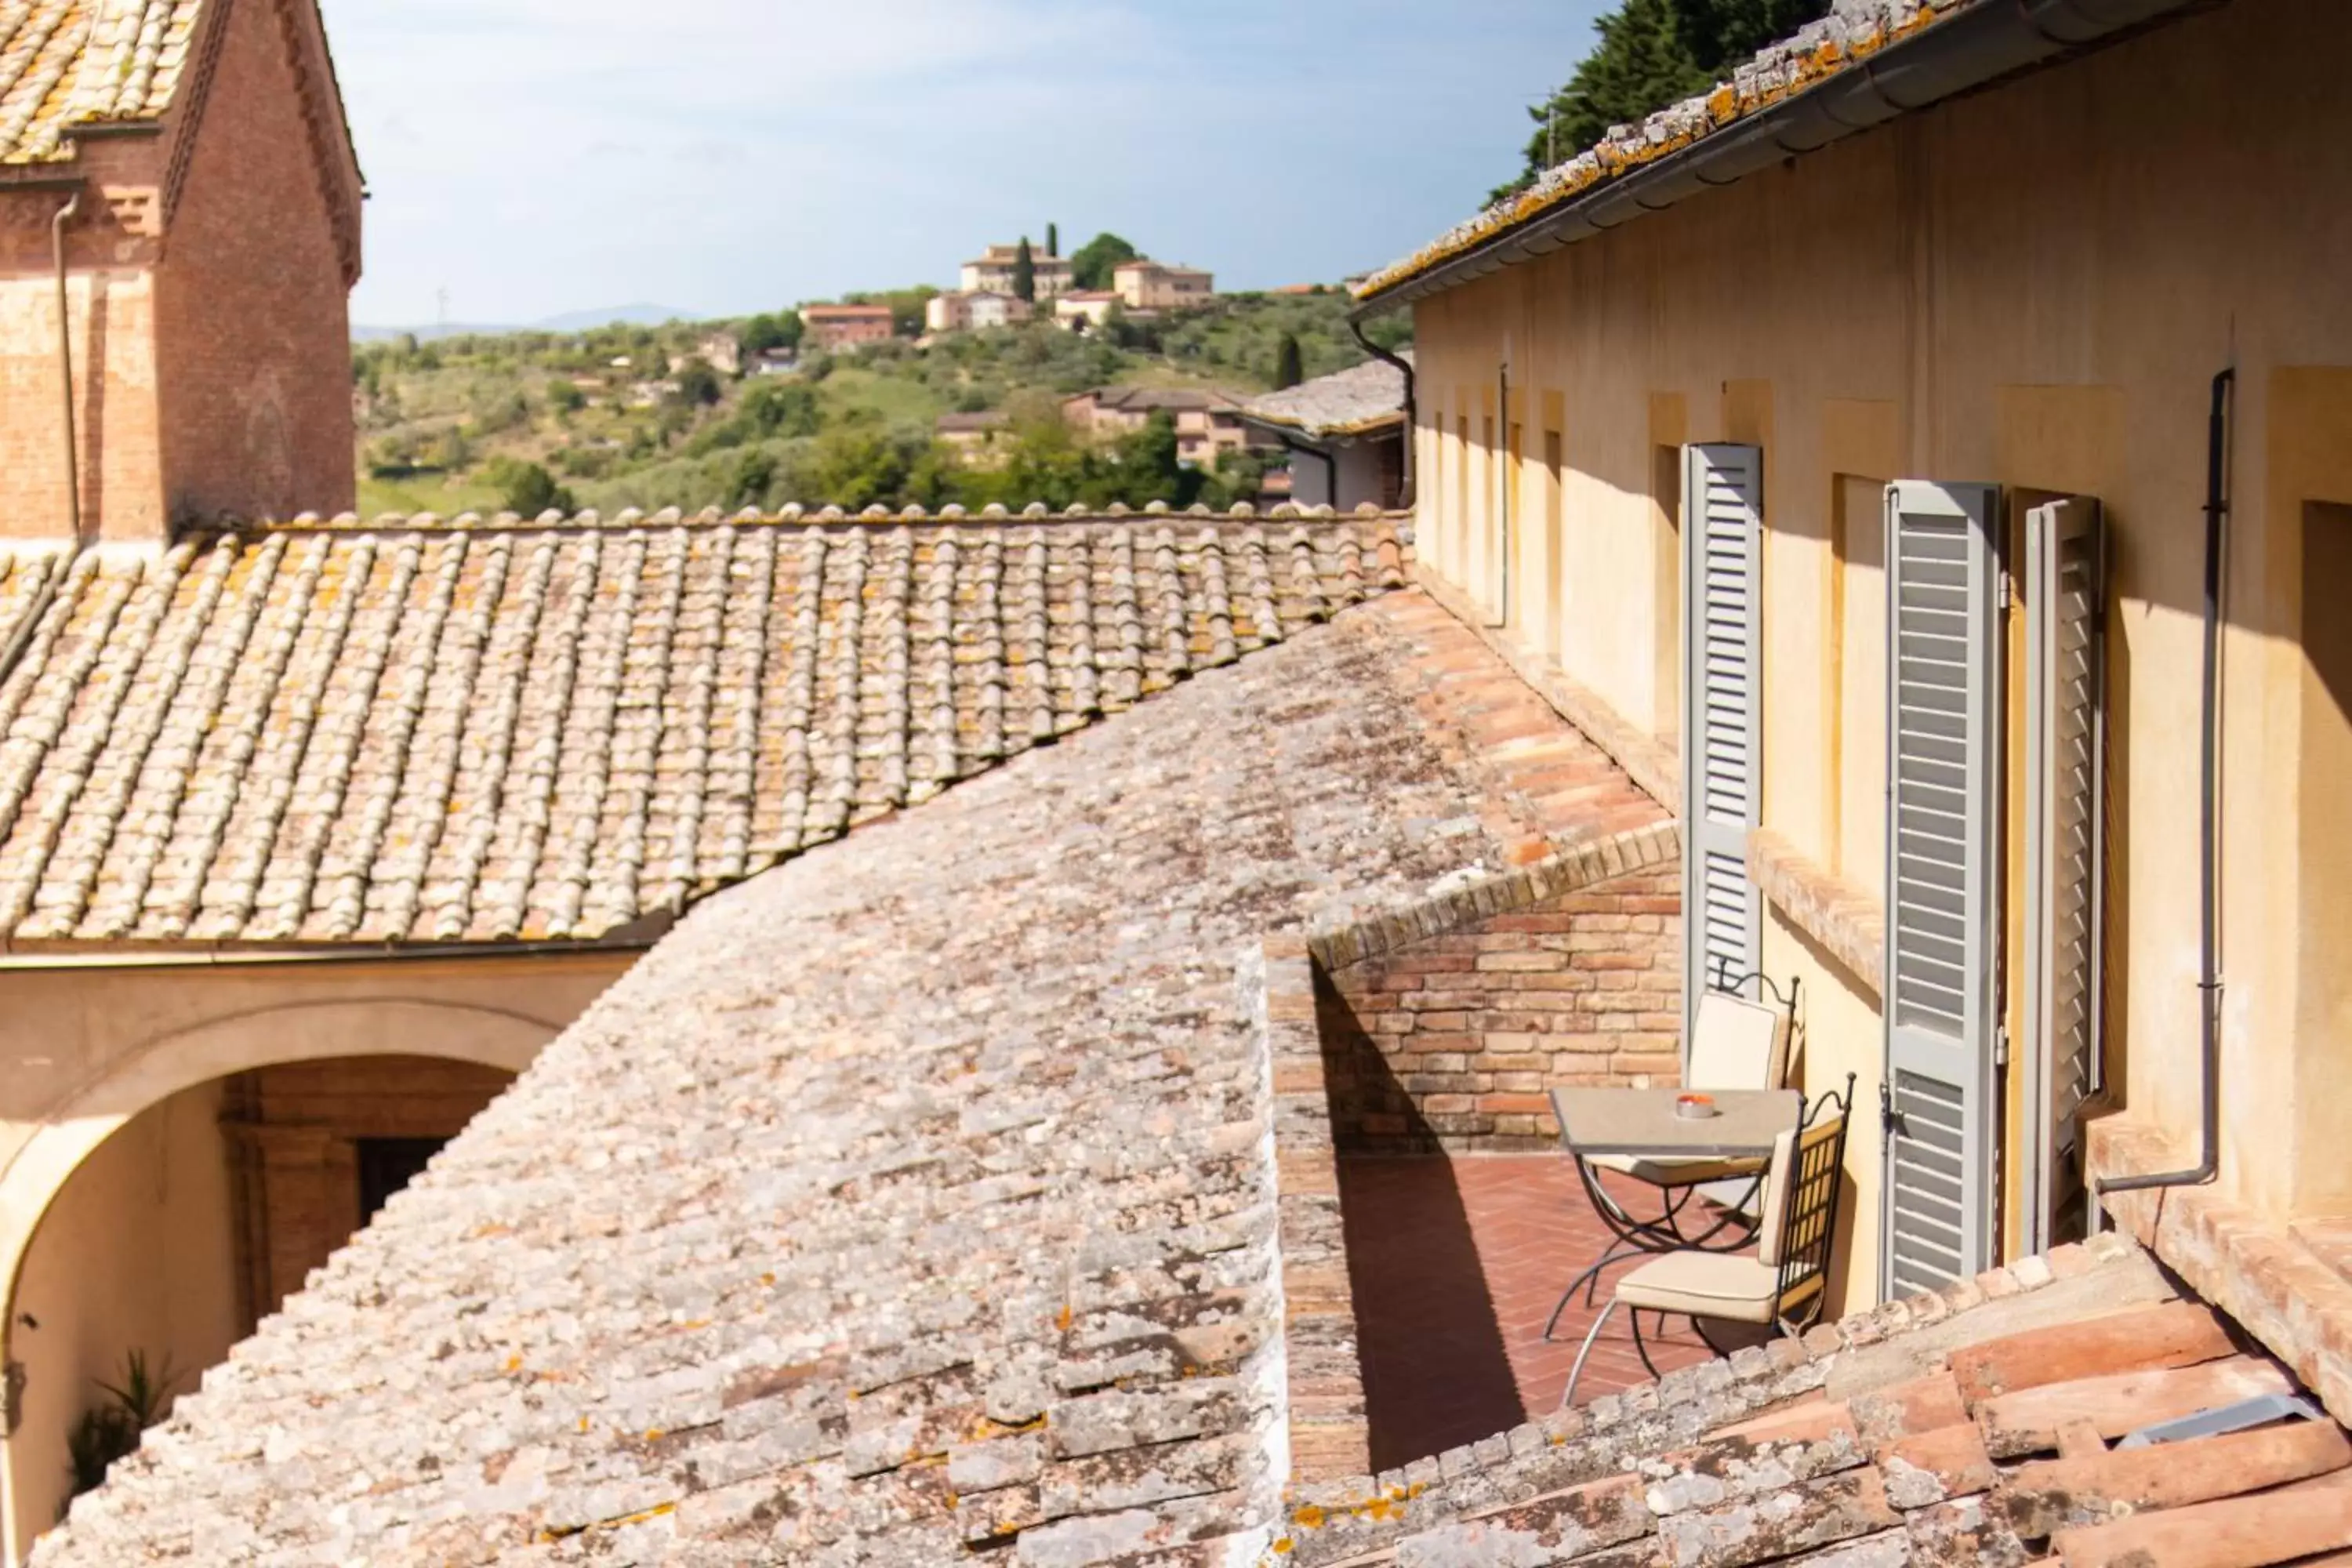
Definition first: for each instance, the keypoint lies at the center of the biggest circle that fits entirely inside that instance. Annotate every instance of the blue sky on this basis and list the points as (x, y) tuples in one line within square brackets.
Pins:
[(538, 156)]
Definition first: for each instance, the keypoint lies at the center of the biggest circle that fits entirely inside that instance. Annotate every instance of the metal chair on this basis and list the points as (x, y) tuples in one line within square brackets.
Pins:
[(1784, 1285), (1735, 1043)]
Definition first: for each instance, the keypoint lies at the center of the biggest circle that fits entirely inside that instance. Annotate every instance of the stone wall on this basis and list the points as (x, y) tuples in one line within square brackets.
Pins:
[(1570, 974)]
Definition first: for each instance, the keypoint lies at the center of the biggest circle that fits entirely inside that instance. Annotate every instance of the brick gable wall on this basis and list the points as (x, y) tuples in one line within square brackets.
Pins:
[(252, 314), (1453, 1040)]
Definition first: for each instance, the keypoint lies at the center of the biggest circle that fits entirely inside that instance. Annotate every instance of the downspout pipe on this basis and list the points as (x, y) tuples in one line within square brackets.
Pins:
[(1411, 422), (64, 363), (2209, 983)]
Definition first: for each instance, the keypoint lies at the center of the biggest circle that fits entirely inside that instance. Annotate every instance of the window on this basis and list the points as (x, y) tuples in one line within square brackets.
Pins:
[(1462, 523), (1668, 567), (1513, 543), (1943, 653), (1855, 807), (1555, 544), (1722, 728)]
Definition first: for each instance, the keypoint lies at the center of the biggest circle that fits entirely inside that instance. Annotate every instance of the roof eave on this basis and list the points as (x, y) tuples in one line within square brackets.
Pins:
[(1970, 49)]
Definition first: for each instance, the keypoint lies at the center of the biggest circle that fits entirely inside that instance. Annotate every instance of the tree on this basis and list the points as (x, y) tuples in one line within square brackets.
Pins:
[(1025, 273), (528, 489), (1719, 34), (1287, 371), (857, 464), (697, 382), (755, 470), (780, 331), (1651, 53), (1053, 239), (1091, 266), (564, 398)]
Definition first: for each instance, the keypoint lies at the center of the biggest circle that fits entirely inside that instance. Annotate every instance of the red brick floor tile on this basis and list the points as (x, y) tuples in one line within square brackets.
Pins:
[(1455, 1264)]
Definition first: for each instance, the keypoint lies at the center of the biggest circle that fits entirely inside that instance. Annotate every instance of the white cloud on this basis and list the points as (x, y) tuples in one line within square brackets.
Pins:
[(537, 155)]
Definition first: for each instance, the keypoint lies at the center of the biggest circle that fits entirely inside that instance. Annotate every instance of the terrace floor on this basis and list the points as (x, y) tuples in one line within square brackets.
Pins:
[(1455, 1264)]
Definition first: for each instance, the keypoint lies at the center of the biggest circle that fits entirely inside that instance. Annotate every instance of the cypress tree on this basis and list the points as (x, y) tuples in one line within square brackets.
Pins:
[(1288, 370), (1053, 239), (1025, 273)]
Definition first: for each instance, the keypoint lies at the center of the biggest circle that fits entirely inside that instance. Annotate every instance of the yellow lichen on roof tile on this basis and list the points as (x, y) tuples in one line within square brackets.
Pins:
[(329, 733), (64, 63)]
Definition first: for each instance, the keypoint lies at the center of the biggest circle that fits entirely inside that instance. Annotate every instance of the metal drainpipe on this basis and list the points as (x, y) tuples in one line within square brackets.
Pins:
[(65, 363), (1411, 423), (2209, 983)]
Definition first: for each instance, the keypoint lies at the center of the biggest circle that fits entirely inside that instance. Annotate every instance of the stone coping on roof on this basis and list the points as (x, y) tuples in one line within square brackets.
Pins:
[(914, 1199), (68, 63), (1364, 397), (1844, 40), (792, 512), (486, 732)]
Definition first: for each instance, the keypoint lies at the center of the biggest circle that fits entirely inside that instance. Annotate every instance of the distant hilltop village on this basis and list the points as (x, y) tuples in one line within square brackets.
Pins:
[(1008, 284)]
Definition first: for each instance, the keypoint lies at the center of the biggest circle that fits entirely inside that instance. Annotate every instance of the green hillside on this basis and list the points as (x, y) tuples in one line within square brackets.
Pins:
[(629, 415)]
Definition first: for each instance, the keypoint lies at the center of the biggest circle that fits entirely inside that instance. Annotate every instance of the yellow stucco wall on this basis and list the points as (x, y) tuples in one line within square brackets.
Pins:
[(137, 1253), (2030, 286)]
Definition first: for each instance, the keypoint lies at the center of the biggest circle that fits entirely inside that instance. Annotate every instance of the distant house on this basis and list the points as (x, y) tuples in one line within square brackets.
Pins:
[(961, 310), (1345, 432), (979, 437), (722, 351), (845, 326), (775, 361), (991, 272), (1143, 284), (1085, 308), (1207, 424)]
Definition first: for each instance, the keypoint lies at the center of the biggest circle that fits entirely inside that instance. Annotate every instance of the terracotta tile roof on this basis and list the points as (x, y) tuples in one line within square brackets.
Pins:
[(443, 734), (74, 62), (1981, 1426), (1346, 403), (912, 1199)]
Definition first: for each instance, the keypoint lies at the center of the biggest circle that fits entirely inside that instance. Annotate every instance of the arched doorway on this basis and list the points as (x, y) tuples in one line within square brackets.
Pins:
[(166, 1207)]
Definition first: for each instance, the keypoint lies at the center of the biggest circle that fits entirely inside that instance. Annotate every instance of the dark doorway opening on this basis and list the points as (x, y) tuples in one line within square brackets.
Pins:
[(388, 1165)]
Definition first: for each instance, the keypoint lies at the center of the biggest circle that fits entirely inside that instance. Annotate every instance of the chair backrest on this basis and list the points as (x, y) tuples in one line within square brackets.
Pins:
[(1800, 1194), (1737, 1044)]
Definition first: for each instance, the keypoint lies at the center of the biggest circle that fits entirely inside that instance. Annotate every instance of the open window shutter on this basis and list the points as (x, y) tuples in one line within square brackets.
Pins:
[(1723, 775), (2066, 746), (1943, 742)]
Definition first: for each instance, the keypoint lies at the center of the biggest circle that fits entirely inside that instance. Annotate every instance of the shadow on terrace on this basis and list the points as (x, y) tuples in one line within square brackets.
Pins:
[(1456, 1258)]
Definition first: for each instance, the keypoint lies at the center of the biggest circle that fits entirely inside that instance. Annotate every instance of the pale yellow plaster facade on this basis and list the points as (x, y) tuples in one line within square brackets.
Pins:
[(2031, 286)]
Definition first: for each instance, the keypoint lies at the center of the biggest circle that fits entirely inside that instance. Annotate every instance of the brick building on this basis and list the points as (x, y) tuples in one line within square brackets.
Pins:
[(845, 326), (188, 169)]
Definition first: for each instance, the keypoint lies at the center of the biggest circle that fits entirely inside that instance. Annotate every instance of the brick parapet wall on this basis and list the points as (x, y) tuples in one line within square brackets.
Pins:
[(1447, 1024), (1329, 1433), (1846, 921)]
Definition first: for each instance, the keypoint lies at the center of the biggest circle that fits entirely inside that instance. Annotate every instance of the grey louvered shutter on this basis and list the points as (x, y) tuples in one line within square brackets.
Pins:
[(1943, 672), (2065, 769), (1723, 777)]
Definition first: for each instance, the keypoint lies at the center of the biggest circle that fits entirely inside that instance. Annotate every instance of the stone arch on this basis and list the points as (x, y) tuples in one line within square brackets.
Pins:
[(164, 1064), (183, 1057)]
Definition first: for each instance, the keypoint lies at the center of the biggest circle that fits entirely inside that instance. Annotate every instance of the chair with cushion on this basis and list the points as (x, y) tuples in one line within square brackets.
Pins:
[(1781, 1287), (1735, 1043)]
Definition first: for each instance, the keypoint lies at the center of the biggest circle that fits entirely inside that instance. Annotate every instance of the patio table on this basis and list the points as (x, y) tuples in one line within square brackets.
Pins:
[(1643, 1121)]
